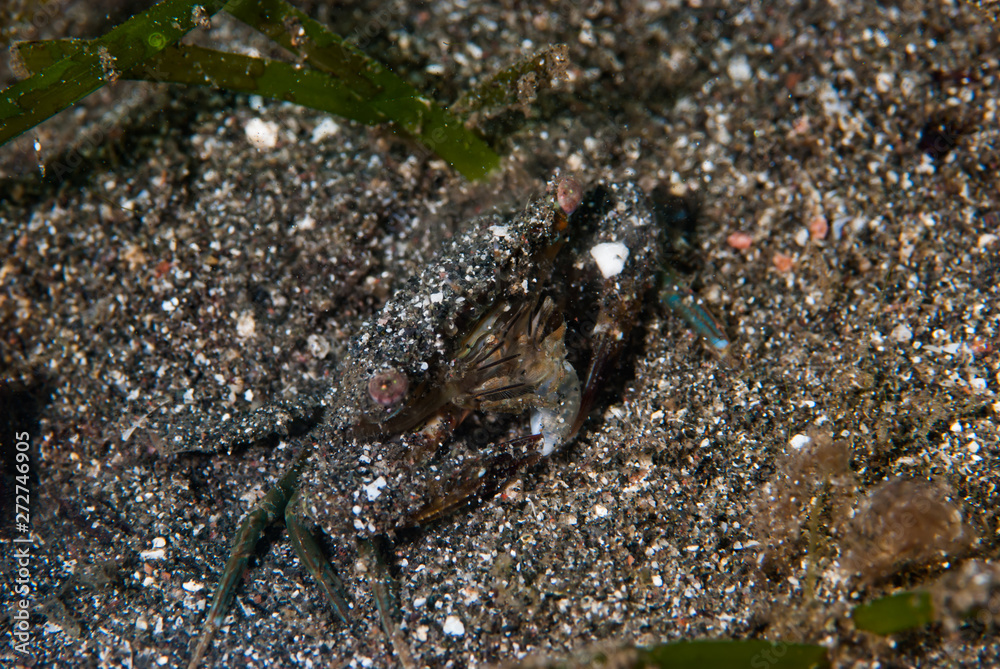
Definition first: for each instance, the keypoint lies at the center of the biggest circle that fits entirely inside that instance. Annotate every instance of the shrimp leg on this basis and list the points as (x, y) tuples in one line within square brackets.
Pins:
[(270, 508)]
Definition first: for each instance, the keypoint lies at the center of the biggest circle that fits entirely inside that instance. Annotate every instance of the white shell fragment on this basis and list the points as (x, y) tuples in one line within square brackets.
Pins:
[(739, 69), (246, 325), (374, 489), (453, 626), (799, 441), (901, 333), (326, 128), (610, 258), (192, 586), (262, 134)]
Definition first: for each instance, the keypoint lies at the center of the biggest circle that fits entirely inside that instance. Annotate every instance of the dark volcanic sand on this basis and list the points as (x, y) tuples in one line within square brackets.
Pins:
[(179, 274)]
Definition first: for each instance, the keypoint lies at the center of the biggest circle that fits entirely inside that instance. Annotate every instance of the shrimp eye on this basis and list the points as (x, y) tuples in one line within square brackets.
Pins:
[(569, 194), (388, 387)]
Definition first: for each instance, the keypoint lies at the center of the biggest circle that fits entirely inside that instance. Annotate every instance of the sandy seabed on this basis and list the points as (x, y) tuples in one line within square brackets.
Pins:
[(191, 255)]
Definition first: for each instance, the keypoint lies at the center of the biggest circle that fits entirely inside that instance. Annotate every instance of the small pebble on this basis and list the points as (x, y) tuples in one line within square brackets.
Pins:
[(901, 333), (610, 258), (453, 626), (740, 241), (246, 325), (326, 128), (262, 134), (739, 69), (374, 489), (819, 228), (782, 262), (192, 586), (318, 346), (799, 441)]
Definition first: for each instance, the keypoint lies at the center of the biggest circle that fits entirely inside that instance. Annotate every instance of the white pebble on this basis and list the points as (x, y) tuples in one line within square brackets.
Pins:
[(318, 346), (884, 82), (799, 441), (739, 69), (307, 222), (453, 626), (901, 333), (192, 586), (374, 489), (474, 50), (326, 128), (838, 225), (246, 325), (262, 134), (610, 258)]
